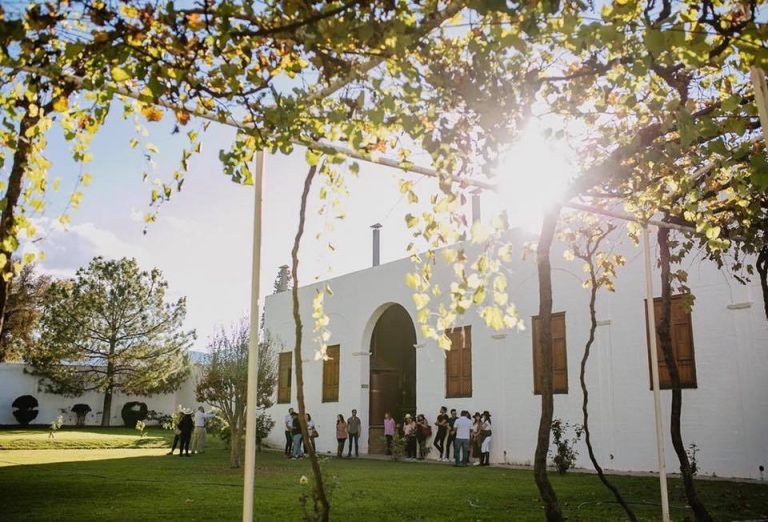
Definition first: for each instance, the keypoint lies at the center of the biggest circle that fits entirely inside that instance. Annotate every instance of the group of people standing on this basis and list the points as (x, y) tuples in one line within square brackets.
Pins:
[(295, 444), (190, 431), (470, 436), (348, 430), (345, 430), (464, 433)]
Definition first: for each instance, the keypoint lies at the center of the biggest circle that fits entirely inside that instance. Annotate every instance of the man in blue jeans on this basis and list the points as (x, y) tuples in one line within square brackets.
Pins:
[(462, 427), (353, 430)]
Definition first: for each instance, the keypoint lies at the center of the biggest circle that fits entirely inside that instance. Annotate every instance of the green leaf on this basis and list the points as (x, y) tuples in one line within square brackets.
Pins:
[(119, 75)]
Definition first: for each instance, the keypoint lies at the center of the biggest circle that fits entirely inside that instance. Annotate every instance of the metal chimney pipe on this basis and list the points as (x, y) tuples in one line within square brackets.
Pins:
[(376, 243), (475, 207)]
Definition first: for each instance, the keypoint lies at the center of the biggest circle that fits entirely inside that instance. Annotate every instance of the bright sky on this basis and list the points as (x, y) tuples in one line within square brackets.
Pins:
[(202, 241)]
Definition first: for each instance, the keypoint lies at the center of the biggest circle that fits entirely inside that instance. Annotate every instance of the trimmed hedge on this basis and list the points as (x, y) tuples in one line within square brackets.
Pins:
[(133, 412), (81, 410), (25, 411)]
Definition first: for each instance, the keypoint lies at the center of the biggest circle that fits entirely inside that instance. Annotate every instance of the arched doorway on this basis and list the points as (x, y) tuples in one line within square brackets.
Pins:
[(393, 372)]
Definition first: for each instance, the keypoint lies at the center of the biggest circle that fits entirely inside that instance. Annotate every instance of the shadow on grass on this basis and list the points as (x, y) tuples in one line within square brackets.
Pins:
[(204, 487)]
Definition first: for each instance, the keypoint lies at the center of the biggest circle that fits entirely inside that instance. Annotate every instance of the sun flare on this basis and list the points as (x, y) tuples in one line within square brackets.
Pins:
[(532, 175)]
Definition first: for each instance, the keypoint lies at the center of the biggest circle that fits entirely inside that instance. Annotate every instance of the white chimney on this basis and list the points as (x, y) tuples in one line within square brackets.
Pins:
[(476, 206), (376, 243)]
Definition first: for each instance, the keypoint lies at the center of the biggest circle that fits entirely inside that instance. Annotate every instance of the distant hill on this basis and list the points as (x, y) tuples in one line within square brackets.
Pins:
[(199, 357)]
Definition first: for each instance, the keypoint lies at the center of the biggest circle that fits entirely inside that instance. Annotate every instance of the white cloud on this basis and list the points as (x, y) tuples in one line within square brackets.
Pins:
[(68, 248)]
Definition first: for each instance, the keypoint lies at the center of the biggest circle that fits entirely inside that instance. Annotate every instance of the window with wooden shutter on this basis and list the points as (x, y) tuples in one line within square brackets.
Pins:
[(284, 378), (331, 375), (458, 363), (681, 330), (559, 355)]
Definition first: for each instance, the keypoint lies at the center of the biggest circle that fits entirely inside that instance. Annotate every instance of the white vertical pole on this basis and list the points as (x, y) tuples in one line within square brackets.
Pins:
[(761, 98), (253, 347), (655, 377)]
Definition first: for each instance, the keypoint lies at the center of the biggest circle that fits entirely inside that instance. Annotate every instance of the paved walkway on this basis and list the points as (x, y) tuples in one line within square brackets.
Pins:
[(372, 456)]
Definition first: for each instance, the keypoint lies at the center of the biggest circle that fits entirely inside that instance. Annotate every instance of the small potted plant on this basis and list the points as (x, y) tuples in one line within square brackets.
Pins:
[(56, 426)]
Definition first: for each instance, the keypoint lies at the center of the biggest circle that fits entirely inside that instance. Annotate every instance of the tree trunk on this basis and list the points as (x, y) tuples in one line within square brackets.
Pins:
[(547, 493), (106, 408), (235, 451), (762, 269), (11, 200), (322, 507), (665, 341), (583, 379)]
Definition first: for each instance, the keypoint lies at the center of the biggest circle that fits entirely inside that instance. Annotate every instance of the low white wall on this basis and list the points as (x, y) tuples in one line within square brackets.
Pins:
[(726, 416), (14, 382)]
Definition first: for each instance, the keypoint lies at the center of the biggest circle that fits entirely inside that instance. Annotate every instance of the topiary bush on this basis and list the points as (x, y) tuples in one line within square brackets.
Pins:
[(81, 410), (133, 412), (25, 411)]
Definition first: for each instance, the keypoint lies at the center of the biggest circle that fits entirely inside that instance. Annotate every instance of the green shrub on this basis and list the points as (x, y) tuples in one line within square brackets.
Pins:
[(219, 427), (160, 418), (25, 411), (264, 424), (565, 454), (133, 412), (398, 446)]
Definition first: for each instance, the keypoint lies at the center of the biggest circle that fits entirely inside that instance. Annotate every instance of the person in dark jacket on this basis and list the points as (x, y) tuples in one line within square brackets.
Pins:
[(186, 425), (296, 433), (423, 432)]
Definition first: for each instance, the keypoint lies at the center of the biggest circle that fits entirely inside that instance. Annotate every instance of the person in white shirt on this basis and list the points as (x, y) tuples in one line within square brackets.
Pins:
[(462, 428), (312, 432), (486, 433), (288, 422), (198, 436)]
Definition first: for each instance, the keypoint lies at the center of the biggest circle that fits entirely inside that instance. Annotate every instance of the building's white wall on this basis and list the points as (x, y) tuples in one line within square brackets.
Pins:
[(14, 382), (727, 416)]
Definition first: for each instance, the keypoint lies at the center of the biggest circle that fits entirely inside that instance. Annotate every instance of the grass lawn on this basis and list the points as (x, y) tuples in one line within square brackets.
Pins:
[(144, 484), (83, 438)]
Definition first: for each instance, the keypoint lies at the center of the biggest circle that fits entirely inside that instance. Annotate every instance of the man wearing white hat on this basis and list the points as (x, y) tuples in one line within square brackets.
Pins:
[(409, 432), (185, 425)]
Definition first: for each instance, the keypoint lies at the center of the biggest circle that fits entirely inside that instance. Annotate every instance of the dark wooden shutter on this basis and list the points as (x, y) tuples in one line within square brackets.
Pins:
[(331, 375), (466, 363), (458, 363), (559, 355), (681, 329), (284, 378)]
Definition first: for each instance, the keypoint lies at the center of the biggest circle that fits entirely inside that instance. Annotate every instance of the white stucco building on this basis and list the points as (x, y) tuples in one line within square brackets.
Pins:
[(14, 382), (384, 363)]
